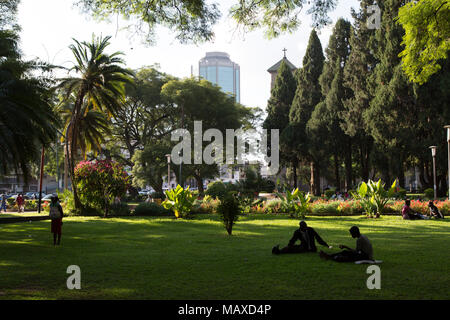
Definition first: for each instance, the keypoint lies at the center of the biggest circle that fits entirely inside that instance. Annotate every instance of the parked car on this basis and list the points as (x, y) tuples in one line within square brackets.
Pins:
[(48, 197), (34, 195)]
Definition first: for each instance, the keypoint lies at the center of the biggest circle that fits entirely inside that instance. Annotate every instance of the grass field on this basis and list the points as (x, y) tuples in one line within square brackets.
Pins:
[(163, 258)]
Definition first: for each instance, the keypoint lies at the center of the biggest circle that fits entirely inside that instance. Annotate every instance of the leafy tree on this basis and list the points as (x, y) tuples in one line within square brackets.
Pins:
[(145, 116), (150, 164), (200, 100), (307, 96), (27, 120), (100, 84), (192, 20), (426, 38)]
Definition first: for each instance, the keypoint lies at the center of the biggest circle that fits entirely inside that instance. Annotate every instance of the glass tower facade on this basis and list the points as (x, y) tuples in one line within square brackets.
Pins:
[(217, 68)]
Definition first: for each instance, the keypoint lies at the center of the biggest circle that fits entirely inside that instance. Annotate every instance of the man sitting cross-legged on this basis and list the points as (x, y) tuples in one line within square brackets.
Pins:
[(307, 237), (363, 249)]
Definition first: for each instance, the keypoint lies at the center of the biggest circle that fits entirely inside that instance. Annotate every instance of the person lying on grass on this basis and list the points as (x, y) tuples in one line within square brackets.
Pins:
[(434, 211), (307, 237), (410, 214), (363, 249)]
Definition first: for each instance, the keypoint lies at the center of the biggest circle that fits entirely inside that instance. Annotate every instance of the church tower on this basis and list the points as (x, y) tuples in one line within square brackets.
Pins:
[(273, 70)]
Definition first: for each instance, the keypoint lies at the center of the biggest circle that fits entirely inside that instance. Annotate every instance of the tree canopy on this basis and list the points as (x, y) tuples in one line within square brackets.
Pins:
[(426, 39), (193, 20)]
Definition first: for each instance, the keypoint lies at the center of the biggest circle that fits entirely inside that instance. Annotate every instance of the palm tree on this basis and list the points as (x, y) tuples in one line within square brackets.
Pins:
[(93, 127), (27, 120), (99, 85)]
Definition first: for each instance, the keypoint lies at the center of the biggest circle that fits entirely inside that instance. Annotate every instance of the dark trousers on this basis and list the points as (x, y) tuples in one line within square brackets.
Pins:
[(293, 249), (349, 256)]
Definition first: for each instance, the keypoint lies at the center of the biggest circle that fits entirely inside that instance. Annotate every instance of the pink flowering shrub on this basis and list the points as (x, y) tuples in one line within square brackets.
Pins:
[(100, 182)]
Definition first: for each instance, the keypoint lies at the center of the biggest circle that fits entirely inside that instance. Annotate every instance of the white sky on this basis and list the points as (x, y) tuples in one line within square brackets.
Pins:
[(48, 27)]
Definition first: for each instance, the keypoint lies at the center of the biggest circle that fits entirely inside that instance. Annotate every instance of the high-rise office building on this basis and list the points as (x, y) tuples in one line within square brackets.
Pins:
[(217, 68)]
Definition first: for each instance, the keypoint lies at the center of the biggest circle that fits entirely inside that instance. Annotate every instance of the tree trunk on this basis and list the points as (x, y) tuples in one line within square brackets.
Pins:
[(199, 180), (294, 172), (315, 179), (337, 178), (348, 166)]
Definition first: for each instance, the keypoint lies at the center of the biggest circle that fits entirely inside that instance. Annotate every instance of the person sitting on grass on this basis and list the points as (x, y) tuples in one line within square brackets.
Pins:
[(56, 215), (410, 214), (363, 249), (434, 211), (307, 237)]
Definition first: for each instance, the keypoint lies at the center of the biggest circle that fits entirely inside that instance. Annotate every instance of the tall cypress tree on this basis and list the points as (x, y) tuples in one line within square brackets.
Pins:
[(328, 116), (307, 96), (278, 108), (361, 64), (393, 110)]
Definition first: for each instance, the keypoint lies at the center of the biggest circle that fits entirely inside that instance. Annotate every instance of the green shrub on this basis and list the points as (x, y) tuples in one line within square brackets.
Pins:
[(67, 202), (429, 193), (209, 204), (229, 211), (100, 182), (216, 189), (180, 201), (273, 206), (151, 209), (120, 209), (31, 205), (322, 207), (296, 203)]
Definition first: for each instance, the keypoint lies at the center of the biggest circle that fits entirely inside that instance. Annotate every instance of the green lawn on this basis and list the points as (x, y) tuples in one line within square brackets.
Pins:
[(162, 258)]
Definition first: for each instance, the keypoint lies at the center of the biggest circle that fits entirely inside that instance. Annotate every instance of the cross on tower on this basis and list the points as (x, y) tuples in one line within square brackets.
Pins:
[(284, 50)]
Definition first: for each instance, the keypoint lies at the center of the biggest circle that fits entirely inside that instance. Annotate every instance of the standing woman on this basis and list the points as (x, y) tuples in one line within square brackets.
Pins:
[(20, 203), (56, 214)]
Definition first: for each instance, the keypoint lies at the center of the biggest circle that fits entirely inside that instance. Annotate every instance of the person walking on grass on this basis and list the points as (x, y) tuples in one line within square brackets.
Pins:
[(56, 215), (20, 203), (307, 237), (410, 214), (363, 249), (3, 204)]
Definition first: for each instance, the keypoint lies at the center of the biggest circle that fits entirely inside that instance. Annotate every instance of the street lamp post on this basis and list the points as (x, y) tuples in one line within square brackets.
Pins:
[(433, 153), (168, 170), (448, 143)]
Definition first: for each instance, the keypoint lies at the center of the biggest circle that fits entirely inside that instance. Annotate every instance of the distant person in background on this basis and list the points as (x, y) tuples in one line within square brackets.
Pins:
[(434, 211), (56, 215), (410, 214), (363, 249), (307, 237), (3, 203), (20, 203)]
